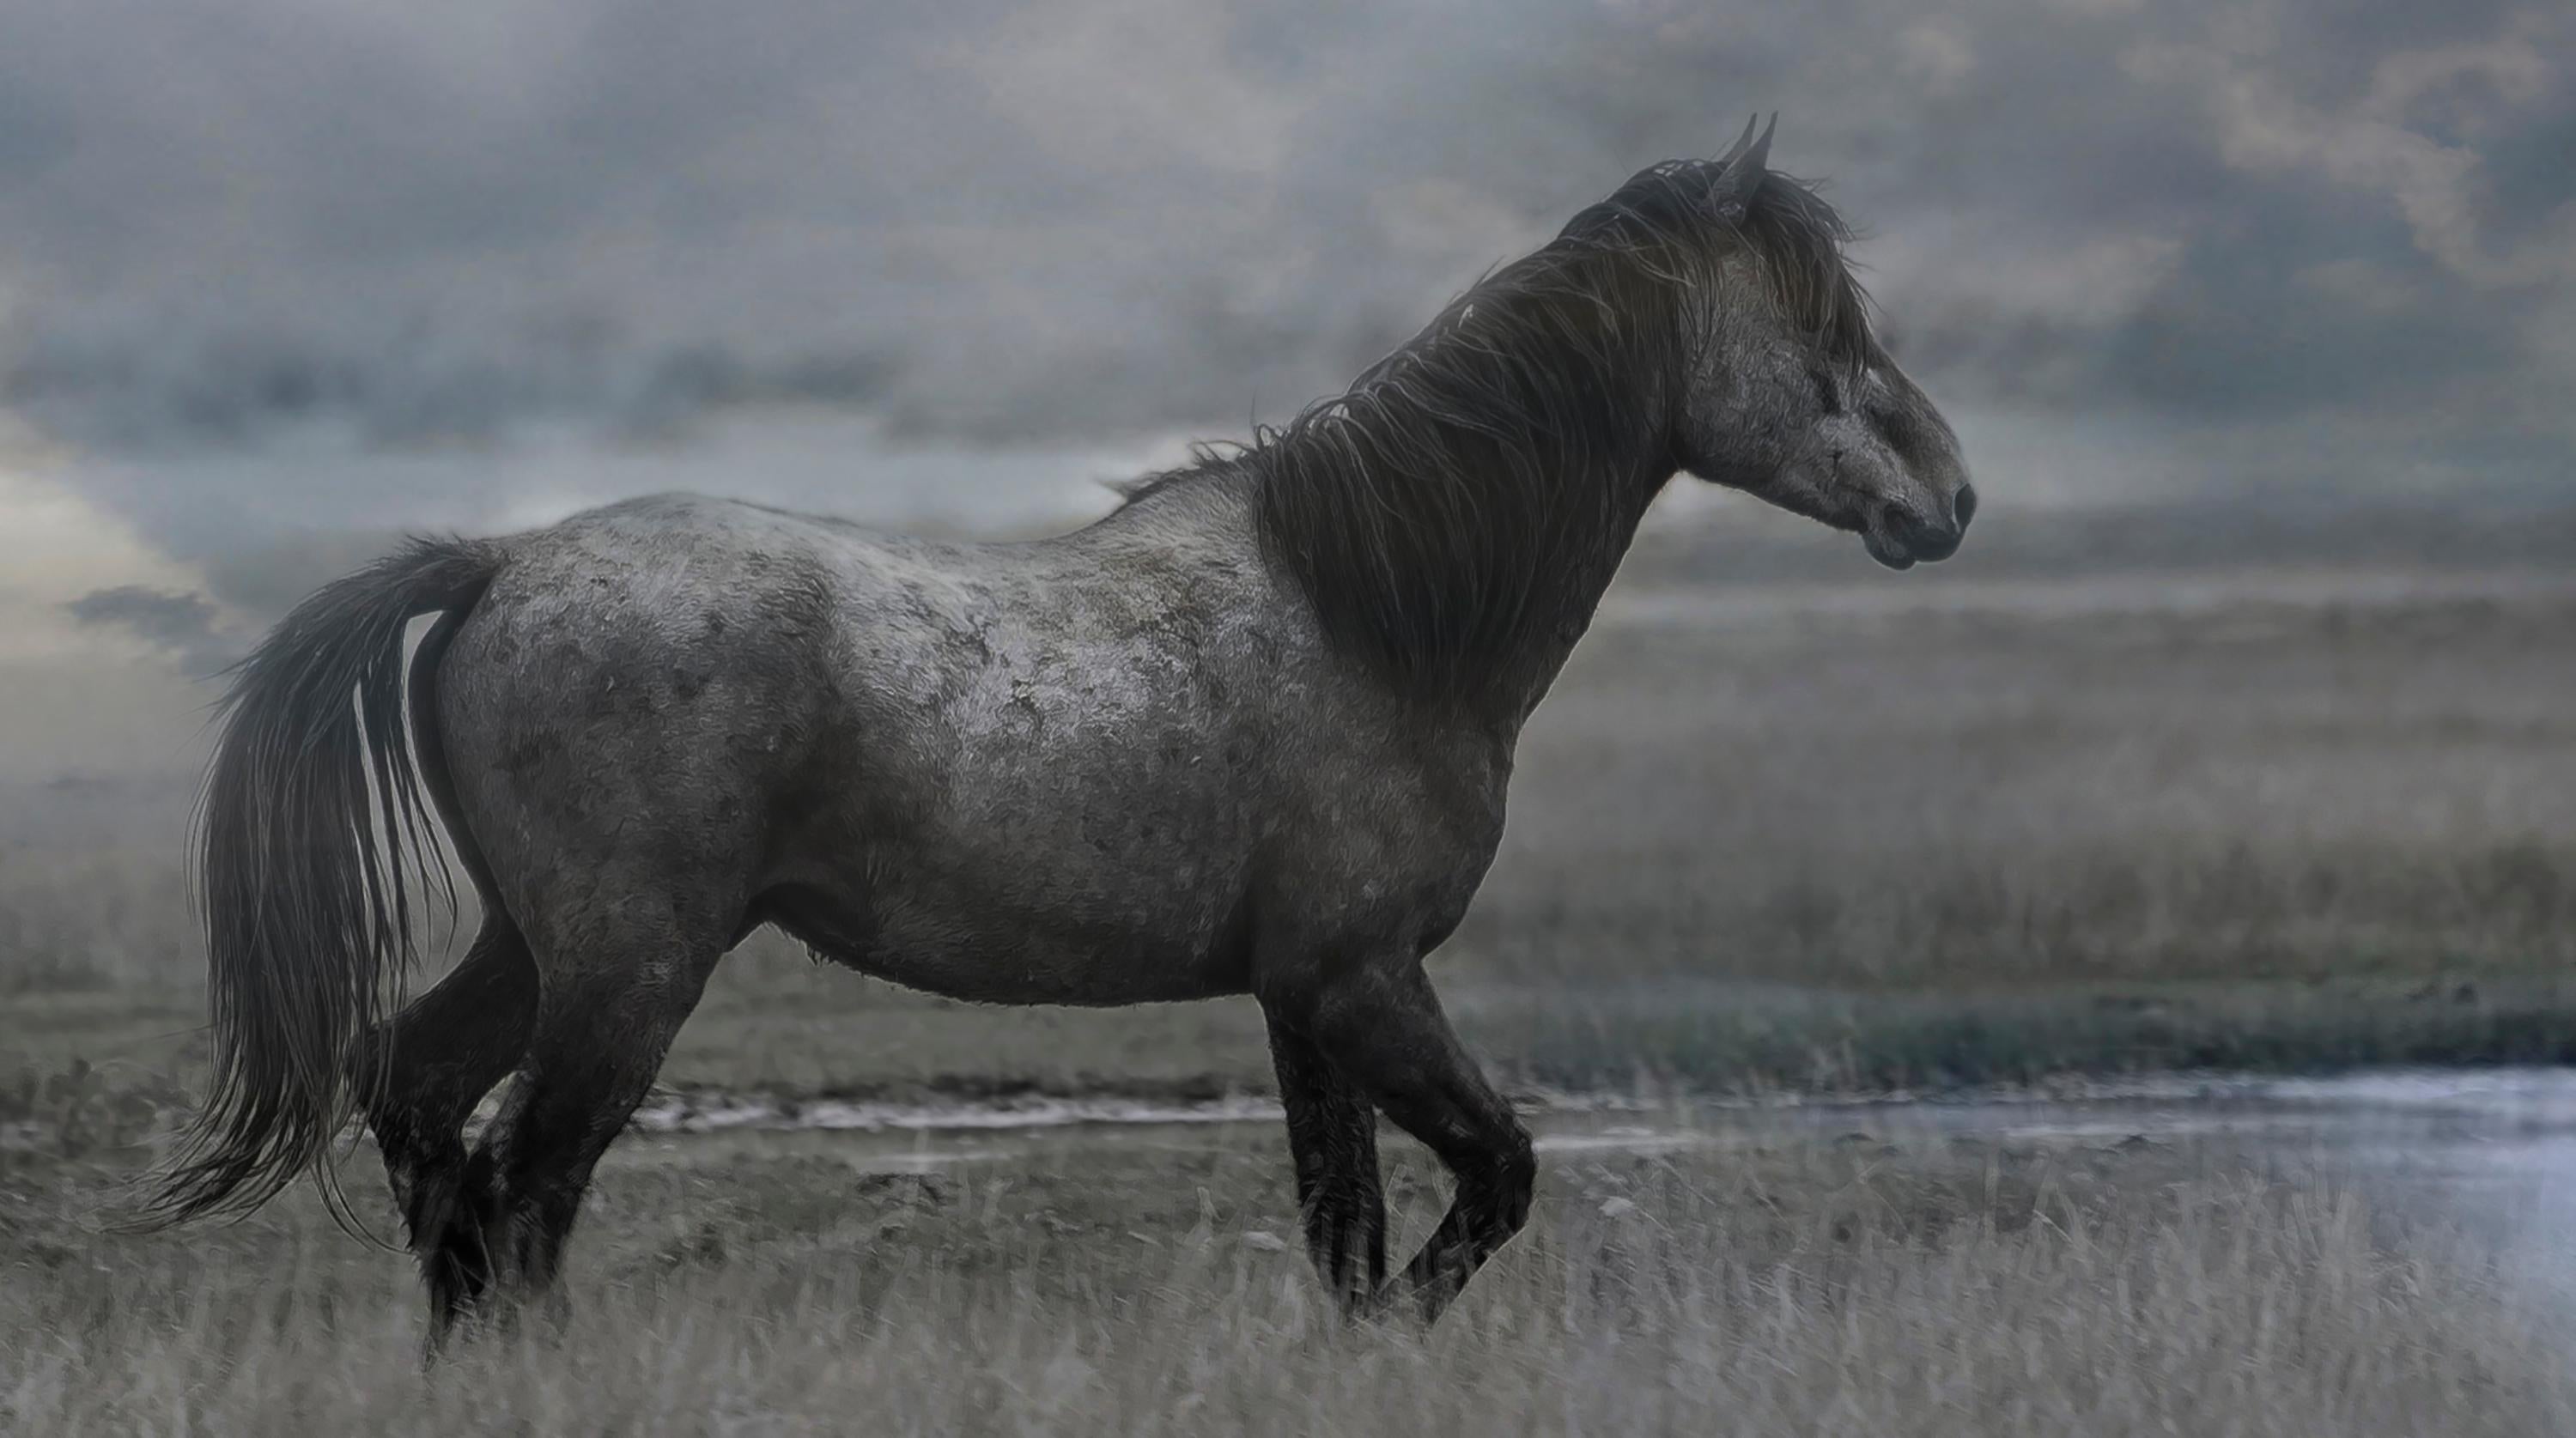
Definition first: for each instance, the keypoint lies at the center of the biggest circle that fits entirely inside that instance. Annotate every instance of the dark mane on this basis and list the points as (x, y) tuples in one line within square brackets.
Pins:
[(1470, 493)]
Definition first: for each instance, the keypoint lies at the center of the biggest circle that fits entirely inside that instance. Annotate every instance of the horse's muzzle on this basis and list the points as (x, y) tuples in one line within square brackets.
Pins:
[(1902, 538)]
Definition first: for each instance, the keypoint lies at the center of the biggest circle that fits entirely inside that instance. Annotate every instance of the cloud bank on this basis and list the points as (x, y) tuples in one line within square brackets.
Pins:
[(2280, 245)]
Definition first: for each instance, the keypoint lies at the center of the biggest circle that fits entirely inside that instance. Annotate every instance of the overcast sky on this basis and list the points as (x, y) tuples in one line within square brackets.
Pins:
[(2315, 239), (342, 265)]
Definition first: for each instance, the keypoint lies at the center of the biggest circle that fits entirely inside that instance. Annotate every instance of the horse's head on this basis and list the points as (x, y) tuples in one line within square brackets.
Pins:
[(1786, 394)]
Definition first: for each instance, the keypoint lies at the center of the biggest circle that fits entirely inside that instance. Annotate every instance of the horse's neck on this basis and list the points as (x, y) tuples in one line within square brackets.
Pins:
[(1456, 518), (1568, 589), (1525, 679)]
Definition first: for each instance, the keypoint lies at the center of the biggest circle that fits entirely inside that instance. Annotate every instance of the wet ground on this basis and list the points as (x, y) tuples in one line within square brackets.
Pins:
[(2492, 1150)]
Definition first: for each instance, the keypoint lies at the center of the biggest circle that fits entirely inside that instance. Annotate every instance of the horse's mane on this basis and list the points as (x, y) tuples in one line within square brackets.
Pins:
[(1475, 485)]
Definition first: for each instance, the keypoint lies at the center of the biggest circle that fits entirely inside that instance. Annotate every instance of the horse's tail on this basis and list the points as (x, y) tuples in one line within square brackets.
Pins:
[(312, 837)]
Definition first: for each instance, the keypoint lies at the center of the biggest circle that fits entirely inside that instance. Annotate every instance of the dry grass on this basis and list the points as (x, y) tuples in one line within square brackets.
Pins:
[(1980, 791), (1856, 1290)]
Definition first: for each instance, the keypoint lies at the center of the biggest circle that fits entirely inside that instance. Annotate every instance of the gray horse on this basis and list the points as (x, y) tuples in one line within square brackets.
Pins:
[(1248, 734)]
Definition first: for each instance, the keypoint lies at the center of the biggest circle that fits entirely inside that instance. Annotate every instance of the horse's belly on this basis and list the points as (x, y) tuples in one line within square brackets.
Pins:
[(999, 942), (1075, 823)]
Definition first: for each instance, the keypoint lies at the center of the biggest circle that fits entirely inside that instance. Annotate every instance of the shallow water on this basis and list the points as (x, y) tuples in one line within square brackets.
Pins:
[(2493, 1150)]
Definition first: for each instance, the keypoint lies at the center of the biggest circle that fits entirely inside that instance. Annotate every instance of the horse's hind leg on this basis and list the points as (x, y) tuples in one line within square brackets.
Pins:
[(1381, 1026), (423, 1072), (1332, 1139), (612, 1003)]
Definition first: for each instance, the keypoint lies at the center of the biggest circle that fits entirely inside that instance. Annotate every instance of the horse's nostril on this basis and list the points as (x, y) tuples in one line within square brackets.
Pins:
[(1964, 507)]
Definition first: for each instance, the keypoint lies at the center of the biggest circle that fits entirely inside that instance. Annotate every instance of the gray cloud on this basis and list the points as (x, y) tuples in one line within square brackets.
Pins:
[(2299, 241), (181, 624)]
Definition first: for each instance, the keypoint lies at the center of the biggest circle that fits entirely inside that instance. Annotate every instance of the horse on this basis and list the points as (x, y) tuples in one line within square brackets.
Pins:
[(1249, 733)]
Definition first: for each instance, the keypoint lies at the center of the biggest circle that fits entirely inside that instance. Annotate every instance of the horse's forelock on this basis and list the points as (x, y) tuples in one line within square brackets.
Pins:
[(1795, 233)]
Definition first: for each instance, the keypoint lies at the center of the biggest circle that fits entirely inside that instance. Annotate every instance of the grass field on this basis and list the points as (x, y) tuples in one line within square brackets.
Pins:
[(1856, 1287)]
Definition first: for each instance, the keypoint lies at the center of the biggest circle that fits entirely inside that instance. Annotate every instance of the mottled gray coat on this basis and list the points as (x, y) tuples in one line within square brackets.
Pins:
[(1249, 734)]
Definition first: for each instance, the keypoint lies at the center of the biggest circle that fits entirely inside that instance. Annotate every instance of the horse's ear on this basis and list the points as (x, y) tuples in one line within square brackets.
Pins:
[(1740, 173)]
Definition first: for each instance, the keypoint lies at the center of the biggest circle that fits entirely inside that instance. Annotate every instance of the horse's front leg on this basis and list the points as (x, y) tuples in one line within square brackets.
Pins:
[(1332, 1138), (1379, 1026)]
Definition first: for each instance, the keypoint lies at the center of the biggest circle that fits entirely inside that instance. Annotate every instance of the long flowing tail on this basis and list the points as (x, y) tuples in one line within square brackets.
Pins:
[(313, 835)]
